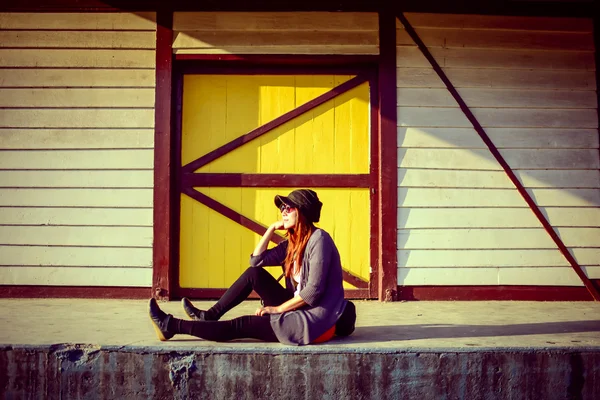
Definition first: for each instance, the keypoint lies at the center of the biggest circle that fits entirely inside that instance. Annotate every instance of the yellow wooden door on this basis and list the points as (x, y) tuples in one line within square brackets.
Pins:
[(329, 140)]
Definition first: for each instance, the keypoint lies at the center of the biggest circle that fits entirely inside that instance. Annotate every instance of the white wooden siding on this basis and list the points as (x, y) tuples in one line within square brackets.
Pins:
[(76, 148), (531, 84), (275, 33)]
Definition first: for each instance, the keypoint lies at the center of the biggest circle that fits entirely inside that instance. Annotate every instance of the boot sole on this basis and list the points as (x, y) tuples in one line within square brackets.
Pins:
[(159, 333)]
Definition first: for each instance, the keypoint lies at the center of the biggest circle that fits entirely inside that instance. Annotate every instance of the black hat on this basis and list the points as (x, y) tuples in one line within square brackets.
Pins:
[(305, 200)]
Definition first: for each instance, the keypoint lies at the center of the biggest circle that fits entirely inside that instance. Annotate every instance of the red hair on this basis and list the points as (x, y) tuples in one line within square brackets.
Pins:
[(297, 239)]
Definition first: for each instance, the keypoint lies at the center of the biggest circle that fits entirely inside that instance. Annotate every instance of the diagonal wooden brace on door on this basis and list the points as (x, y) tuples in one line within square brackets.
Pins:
[(465, 109)]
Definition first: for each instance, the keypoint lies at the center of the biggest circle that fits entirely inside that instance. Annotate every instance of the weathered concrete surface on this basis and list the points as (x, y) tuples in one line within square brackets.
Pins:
[(88, 349)]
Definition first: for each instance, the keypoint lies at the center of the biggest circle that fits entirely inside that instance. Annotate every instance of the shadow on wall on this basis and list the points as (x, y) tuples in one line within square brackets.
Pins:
[(391, 333)]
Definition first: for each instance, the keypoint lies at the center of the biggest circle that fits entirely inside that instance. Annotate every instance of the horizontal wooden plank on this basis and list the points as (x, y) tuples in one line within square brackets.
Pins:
[(482, 159), (483, 97), (544, 276), (225, 39), (77, 159), (275, 21), (447, 276), (536, 138), (498, 78), (554, 276), (498, 179), (536, 238), (433, 20), (76, 276), (494, 258), (499, 39), (123, 198), (77, 40), (411, 56), (285, 49), (78, 179), (77, 98), (77, 118), (11, 138), (69, 58), (440, 197), (75, 256), (411, 218), (497, 117), (76, 216), (86, 236), (72, 78), (135, 21)]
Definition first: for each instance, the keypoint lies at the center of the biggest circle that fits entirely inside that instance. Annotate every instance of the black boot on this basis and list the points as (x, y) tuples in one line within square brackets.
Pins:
[(160, 321), (192, 312)]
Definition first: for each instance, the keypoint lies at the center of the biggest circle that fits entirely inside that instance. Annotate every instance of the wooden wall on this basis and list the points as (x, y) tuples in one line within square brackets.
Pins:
[(76, 148), (531, 84), (275, 33)]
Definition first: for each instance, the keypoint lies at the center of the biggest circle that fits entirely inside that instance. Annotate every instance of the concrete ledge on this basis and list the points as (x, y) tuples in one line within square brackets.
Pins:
[(90, 372), (88, 349)]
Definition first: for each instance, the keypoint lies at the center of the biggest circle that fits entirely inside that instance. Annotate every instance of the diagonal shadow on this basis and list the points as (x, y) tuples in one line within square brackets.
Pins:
[(388, 333)]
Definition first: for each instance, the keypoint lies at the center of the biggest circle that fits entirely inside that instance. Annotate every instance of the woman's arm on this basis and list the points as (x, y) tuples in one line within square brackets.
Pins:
[(291, 304), (264, 240)]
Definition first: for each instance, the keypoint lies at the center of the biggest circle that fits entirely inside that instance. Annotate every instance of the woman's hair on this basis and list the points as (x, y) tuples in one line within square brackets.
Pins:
[(297, 240)]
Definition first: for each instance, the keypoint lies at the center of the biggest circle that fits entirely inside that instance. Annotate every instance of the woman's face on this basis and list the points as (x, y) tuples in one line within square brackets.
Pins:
[(289, 216)]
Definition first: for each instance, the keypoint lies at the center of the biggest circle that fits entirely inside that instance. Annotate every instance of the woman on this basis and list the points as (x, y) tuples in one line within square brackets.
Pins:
[(311, 309)]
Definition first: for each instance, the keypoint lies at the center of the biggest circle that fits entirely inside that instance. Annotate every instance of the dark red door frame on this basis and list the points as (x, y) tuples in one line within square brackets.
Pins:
[(186, 179), (507, 169)]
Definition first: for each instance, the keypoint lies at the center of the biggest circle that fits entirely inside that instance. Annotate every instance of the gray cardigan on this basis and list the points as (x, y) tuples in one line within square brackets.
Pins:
[(322, 290)]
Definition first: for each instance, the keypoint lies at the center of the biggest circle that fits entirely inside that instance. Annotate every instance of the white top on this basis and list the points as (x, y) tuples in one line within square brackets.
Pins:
[(298, 278)]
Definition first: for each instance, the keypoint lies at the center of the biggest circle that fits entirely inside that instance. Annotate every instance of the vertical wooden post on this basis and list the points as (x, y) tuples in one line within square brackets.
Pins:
[(388, 148), (161, 259)]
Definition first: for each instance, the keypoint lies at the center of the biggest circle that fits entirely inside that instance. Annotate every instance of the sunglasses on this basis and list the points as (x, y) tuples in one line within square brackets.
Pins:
[(286, 208)]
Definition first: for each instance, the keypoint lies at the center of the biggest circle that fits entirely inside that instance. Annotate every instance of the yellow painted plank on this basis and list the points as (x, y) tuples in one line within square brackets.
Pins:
[(120, 198), (411, 218), (413, 197), (275, 21), (79, 98), (76, 77), (537, 138), (70, 58), (77, 236), (482, 97), (88, 21), (433, 20), (411, 56), (482, 159), (498, 179), (498, 117), (77, 276), (76, 118), (76, 256), (15, 138), (79, 159), (504, 39), (498, 78), (78, 179), (77, 39), (352, 235), (538, 238), (76, 216)]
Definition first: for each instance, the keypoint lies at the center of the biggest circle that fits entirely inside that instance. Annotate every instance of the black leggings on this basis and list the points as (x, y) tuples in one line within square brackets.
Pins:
[(249, 326)]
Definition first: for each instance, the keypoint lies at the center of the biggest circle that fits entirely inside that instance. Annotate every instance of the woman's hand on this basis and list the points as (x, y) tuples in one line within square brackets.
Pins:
[(267, 310), (277, 225)]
